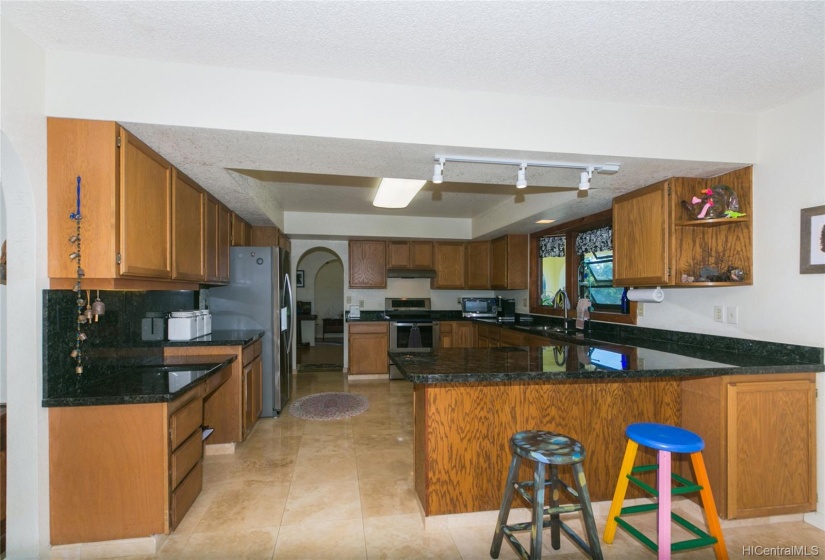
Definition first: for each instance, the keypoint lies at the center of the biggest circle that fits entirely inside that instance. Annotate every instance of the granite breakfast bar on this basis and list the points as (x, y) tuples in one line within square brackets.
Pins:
[(468, 402)]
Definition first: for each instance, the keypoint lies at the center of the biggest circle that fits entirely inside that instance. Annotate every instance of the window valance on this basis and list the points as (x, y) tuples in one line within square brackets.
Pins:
[(551, 246), (595, 240)]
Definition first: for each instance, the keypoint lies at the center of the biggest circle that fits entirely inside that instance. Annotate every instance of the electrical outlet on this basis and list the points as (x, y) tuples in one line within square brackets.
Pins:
[(719, 313), (349, 300), (361, 303), (524, 302), (458, 300), (640, 309), (732, 315)]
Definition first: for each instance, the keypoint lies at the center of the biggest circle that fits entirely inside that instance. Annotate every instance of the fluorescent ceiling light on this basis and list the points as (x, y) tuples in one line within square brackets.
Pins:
[(396, 193), (545, 221)]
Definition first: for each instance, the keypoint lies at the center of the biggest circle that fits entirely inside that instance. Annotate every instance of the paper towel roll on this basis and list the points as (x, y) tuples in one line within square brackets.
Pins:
[(654, 296)]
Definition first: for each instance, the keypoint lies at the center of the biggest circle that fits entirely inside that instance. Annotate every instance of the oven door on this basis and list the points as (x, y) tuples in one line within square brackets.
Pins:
[(411, 336)]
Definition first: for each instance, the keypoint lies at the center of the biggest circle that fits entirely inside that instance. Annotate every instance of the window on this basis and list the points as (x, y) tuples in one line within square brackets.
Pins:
[(577, 258)]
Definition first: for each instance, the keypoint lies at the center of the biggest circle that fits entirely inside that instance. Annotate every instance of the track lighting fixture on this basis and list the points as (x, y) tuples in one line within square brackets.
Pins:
[(438, 172), (586, 176), (521, 182)]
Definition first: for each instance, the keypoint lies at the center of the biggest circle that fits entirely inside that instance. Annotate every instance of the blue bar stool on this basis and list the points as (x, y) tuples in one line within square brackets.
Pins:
[(553, 450), (665, 440)]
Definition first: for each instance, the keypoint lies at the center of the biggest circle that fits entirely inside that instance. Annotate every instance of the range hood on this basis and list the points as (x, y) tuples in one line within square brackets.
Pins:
[(410, 273)]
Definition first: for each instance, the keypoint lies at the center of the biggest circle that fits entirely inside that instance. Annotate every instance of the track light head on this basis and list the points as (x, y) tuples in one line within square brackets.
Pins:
[(438, 172), (521, 181), (586, 175)]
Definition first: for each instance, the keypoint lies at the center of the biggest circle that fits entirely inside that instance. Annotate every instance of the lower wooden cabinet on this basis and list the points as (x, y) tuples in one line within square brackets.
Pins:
[(252, 394), (759, 433), (488, 336), (124, 471), (368, 346), (457, 334)]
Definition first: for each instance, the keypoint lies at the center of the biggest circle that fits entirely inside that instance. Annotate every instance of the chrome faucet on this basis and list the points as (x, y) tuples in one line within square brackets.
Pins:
[(562, 301)]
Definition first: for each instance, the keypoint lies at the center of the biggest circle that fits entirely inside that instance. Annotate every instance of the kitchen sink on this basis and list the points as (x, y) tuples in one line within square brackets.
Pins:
[(546, 328)]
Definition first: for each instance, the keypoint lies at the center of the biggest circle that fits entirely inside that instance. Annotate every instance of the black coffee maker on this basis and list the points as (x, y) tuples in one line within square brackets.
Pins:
[(506, 309)]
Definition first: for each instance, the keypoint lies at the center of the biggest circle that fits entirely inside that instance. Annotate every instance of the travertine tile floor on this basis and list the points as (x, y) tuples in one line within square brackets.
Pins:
[(343, 489)]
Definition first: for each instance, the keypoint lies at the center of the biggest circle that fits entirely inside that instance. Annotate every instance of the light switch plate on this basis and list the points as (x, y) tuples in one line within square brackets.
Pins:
[(349, 300), (732, 315), (640, 309), (361, 303), (719, 313)]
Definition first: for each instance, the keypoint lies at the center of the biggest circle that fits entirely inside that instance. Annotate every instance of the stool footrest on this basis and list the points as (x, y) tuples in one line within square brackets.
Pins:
[(686, 486), (520, 488), (703, 538), (508, 531)]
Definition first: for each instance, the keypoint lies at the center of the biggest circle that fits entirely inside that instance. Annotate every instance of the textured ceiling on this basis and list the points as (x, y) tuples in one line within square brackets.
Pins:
[(716, 56)]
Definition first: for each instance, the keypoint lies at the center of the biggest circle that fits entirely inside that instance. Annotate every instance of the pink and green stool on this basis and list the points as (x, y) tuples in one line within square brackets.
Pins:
[(665, 440)]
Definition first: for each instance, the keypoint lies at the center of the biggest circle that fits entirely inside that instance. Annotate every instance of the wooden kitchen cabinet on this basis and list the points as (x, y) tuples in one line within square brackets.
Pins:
[(368, 346), (217, 242), (124, 471), (488, 336), (478, 265), (241, 232), (449, 265), (655, 243), (126, 204), (398, 254), (410, 254), (252, 391), (757, 429), (367, 264), (224, 242), (508, 268), (188, 209), (456, 334)]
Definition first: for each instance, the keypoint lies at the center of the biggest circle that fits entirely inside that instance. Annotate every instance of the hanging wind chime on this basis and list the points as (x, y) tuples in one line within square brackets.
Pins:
[(85, 309)]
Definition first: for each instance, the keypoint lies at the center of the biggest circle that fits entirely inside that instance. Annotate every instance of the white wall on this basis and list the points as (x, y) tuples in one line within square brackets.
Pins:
[(3, 313), (23, 125)]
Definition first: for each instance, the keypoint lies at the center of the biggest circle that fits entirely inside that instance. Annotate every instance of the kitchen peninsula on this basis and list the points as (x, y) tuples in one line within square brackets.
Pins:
[(469, 401)]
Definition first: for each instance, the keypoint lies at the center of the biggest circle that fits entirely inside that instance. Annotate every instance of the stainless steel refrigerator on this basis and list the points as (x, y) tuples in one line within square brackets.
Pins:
[(260, 296)]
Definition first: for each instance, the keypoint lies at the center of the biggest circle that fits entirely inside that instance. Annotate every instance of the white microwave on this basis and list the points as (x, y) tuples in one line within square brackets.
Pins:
[(479, 307)]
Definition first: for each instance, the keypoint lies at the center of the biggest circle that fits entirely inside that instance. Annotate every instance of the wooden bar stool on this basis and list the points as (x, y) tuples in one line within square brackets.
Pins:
[(665, 440), (546, 448)]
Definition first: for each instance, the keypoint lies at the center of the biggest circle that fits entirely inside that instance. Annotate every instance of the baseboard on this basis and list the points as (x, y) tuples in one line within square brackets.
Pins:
[(219, 449), (143, 546), (366, 377), (815, 518)]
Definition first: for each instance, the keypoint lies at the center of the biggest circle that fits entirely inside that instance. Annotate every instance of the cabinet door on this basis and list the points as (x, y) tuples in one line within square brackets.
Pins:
[(478, 265), (187, 229), (252, 394), (771, 448), (643, 237), (239, 230), (445, 337), (498, 263), (367, 264), (145, 211), (421, 254), (398, 254), (463, 335), (224, 232), (211, 239), (449, 265)]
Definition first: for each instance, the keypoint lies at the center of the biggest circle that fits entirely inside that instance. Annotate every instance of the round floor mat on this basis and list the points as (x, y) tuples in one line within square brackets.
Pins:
[(329, 406)]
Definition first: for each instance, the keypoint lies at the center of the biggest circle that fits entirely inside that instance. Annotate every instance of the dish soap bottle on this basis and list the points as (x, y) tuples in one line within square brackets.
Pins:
[(625, 302)]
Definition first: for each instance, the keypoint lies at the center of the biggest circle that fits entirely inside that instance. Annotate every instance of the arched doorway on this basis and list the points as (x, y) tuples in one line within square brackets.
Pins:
[(320, 310)]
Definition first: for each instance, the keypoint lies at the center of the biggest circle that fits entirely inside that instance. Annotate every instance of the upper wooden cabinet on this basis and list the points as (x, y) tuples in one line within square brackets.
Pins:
[(410, 254), (188, 207), (478, 265), (269, 236), (218, 227), (224, 242), (241, 232), (656, 242), (126, 204), (367, 264), (449, 265), (508, 269)]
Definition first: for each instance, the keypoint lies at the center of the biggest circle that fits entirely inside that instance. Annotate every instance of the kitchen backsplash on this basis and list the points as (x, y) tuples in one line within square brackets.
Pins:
[(443, 300), (118, 331)]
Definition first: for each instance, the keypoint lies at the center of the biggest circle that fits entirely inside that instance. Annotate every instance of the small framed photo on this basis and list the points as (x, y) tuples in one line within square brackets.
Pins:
[(299, 278), (812, 241)]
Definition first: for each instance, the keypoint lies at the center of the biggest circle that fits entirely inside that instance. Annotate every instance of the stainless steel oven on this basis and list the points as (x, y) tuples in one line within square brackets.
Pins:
[(412, 328)]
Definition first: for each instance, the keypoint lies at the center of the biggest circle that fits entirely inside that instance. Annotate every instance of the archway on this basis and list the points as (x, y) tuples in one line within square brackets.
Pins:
[(319, 290)]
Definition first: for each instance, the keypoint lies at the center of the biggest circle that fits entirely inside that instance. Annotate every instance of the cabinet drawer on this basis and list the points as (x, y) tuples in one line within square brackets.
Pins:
[(217, 380), (252, 351), (512, 338), (186, 456), (185, 495), (368, 328), (185, 421)]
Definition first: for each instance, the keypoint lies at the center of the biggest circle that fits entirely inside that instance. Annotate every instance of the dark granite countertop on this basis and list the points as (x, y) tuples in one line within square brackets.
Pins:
[(139, 381), (605, 354), (375, 316)]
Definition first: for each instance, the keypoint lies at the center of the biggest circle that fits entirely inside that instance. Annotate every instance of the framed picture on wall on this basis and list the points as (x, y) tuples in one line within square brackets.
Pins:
[(812, 241), (299, 278)]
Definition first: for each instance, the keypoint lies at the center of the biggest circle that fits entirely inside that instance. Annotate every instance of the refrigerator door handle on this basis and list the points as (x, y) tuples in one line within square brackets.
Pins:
[(291, 314)]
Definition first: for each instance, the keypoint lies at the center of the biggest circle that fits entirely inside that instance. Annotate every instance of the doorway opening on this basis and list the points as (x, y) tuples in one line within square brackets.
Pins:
[(320, 310)]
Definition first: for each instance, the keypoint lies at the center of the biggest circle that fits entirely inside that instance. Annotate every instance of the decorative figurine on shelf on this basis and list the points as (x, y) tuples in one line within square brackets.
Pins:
[(733, 214), (716, 202)]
